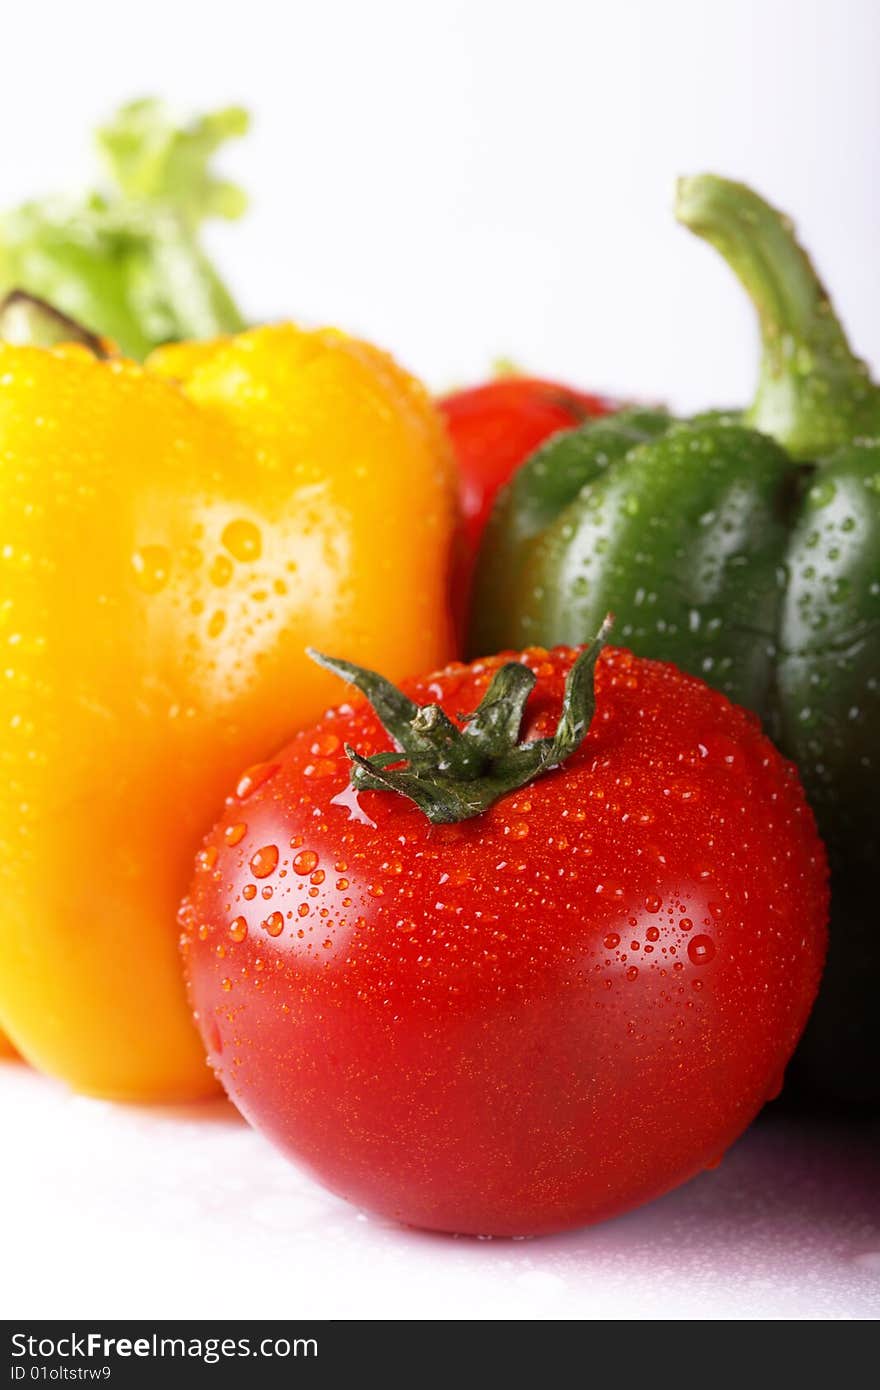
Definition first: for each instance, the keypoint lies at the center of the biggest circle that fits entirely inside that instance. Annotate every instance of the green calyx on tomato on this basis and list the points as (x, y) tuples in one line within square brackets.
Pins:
[(453, 773)]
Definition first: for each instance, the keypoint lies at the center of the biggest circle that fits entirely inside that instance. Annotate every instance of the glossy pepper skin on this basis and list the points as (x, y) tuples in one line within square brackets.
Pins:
[(494, 427), (747, 551), (172, 537)]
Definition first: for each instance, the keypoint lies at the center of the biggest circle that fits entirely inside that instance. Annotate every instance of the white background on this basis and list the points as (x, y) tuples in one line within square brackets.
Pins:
[(463, 179), (460, 180)]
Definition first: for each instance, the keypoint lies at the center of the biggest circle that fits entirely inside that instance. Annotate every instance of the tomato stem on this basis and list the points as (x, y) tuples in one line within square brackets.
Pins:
[(453, 772)]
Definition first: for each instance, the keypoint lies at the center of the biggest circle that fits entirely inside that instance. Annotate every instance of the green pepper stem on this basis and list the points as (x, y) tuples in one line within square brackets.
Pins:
[(813, 392)]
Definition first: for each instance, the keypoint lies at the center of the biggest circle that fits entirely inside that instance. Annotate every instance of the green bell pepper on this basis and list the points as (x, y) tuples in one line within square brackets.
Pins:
[(746, 550)]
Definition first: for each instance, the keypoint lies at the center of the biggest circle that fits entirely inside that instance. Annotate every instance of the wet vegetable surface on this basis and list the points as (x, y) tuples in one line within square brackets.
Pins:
[(533, 1018), (746, 549), (169, 535)]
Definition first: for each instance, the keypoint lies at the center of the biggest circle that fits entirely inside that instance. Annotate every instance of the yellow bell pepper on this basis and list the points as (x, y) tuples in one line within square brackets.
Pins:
[(171, 538)]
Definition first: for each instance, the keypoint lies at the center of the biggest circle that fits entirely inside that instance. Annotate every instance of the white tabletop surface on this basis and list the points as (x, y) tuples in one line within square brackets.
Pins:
[(115, 1211)]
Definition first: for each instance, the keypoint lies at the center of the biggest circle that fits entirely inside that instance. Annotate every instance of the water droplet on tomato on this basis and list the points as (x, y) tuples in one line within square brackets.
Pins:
[(254, 777), (215, 1041), (207, 857), (305, 861), (321, 767), (249, 892), (233, 834), (701, 949), (653, 902), (325, 745), (265, 861), (348, 800), (632, 973), (274, 924), (611, 941), (683, 791), (238, 929)]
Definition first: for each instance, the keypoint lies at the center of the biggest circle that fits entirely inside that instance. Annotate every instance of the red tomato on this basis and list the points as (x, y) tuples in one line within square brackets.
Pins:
[(494, 428), (535, 1018)]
